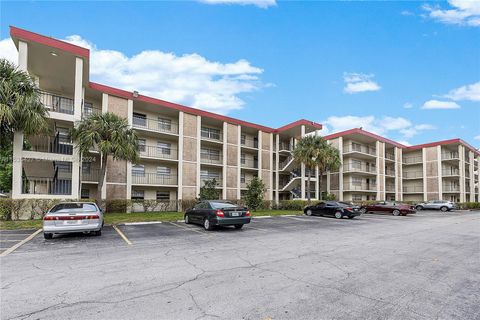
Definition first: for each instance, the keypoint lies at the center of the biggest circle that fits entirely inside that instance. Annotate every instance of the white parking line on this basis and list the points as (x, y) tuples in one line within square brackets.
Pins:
[(21, 243), (124, 237), (261, 217), (188, 228), (141, 223)]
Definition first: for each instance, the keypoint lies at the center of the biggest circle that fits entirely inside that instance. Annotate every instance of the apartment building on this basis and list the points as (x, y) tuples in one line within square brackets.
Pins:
[(376, 168), (180, 147)]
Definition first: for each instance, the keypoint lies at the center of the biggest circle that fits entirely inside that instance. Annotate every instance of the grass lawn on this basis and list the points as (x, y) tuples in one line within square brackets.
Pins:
[(118, 218)]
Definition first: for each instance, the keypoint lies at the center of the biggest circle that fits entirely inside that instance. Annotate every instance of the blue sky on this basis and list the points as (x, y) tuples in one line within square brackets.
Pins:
[(407, 70)]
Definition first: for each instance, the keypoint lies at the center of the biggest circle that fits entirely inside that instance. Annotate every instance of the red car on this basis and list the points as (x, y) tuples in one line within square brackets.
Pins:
[(389, 207)]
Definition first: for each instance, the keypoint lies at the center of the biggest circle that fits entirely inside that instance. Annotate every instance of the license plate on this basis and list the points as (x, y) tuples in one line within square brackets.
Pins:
[(235, 214), (73, 221)]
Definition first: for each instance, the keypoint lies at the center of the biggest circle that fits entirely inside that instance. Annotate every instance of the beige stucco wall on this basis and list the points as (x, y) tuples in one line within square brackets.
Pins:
[(266, 141), (232, 133), (265, 160), (119, 106), (232, 155), (189, 149), (232, 194), (232, 177), (189, 125), (189, 193), (115, 191), (189, 174)]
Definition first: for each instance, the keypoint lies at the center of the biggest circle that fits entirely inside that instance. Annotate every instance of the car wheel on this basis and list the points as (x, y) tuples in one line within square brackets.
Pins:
[(187, 219), (309, 212), (239, 226), (98, 233), (48, 235), (444, 209), (396, 212), (419, 208), (207, 225), (338, 215), (363, 210)]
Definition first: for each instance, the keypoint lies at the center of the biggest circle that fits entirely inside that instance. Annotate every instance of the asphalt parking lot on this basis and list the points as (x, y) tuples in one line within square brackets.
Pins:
[(423, 266)]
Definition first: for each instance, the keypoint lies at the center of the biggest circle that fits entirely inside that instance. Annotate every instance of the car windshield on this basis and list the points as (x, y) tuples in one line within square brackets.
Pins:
[(74, 207), (220, 205)]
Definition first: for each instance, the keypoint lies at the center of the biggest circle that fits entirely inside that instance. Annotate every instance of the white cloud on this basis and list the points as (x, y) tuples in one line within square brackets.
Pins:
[(468, 92), (8, 50), (381, 126), (461, 12), (436, 104), (259, 3), (477, 137), (188, 79), (359, 82), (408, 105), (404, 142), (406, 13)]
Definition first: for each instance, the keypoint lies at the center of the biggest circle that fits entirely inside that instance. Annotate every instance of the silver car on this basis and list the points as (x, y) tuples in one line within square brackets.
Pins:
[(441, 205), (68, 217)]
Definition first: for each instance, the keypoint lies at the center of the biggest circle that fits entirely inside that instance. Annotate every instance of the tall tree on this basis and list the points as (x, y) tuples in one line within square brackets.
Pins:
[(255, 193), (110, 135), (313, 151)]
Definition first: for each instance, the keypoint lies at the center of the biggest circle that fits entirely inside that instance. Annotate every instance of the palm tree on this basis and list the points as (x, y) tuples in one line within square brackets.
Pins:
[(314, 151), (20, 105), (110, 135)]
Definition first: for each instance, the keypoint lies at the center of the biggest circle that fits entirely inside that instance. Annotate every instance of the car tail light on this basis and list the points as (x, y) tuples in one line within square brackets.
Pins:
[(89, 217), (49, 218), (247, 214), (220, 213), (349, 209)]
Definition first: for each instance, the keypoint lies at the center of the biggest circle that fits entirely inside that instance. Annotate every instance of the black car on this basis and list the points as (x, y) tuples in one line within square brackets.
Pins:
[(333, 208), (211, 213)]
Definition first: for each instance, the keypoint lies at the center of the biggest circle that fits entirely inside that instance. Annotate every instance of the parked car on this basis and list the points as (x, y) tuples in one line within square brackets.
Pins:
[(72, 217), (333, 208), (441, 205), (211, 213), (389, 207)]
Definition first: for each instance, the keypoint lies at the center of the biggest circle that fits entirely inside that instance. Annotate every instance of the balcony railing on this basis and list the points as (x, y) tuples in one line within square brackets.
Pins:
[(285, 146), (249, 142), (412, 160), (360, 187), (390, 187), (211, 159), (284, 163), (88, 109), (412, 174), (350, 167), (47, 186), (48, 144), (158, 125), (90, 175), (215, 136), (390, 156), (249, 163), (154, 179), (361, 149), (390, 172), (449, 188), (450, 156), (57, 103), (413, 189), (450, 172), (158, 152), (218, 180)]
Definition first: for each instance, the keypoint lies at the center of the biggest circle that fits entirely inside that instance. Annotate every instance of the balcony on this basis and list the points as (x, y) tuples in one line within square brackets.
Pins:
[(390, 156), (46, 186), (88, 109), (218, 180), (157, 125), (413, 160), (450, 172), (285, 146), (413, 189), (360, 187), (157, 152), (57, 103), (154, 179), (450, 188), (390, 188), (360, 149), (350, 167), (211, 159), (450, 156), (413, 175), (249, 163), (211, 134), (390, 172), (48, 144), (249, 142), (90, 175)]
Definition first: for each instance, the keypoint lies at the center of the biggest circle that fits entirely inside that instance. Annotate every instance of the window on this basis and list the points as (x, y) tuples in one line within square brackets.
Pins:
[(63, 166), (74, 207), (357, 181), (138, 194), (242, 177), (163, 171), (242, 158), (139, 119), (87, 109), (243, 138), (85, 194), (210, 154), (63, 135), (164, 124), (357, 197), (138, 170), (86, 167), (357, 164), (356, 146), (209, 175), (210, 133), (142, 145), (164, 148), (163, 195)]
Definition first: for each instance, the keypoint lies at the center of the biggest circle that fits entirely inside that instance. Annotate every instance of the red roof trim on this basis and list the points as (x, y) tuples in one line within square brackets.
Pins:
[(179, 107), (51, 42), (365, 133)]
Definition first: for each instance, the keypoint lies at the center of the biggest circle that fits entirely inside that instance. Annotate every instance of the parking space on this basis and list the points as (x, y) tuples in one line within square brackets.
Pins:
[(11, 239)]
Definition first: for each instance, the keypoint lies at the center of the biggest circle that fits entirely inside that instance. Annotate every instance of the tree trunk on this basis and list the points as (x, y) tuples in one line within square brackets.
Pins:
[(101, 179), (308, 185), (320, 179)]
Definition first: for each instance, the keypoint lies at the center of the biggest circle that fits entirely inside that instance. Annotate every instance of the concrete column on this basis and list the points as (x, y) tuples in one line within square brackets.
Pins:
[(340, 171), (270, 192), (461, 155), (439, 172), (260, 146), (180, 157), (302, 166), (129, 164), (77, 116), (239, 165), (377, 164), (104, 110), (472, 180), (104, 190), (317, 182), (23, 56), (277, 169), (105, 103), (199, 140), (424, 169), (224, 157)]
